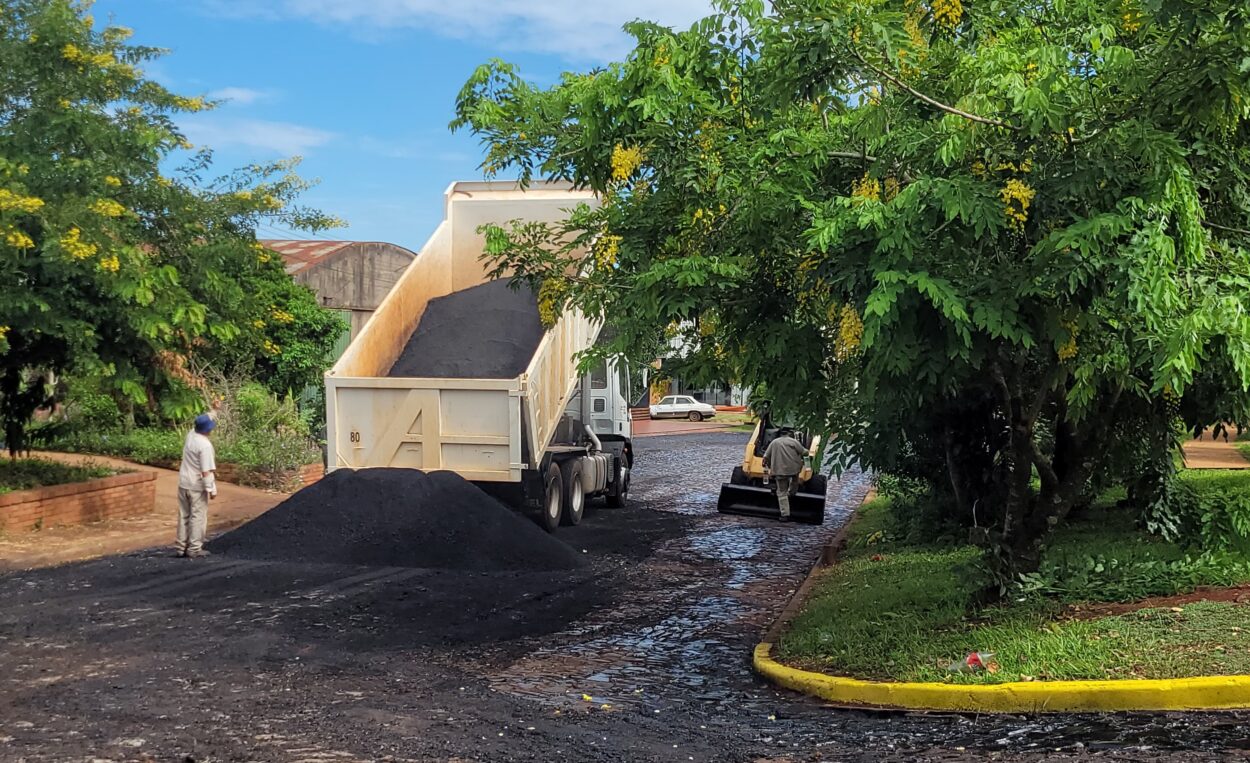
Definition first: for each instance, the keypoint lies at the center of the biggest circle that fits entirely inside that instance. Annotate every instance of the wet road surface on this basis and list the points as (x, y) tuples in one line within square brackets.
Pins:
[(643, 655)]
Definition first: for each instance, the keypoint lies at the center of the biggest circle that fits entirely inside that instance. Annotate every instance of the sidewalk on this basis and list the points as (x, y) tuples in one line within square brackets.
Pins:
[(1212, 454), (234, 506), (652, 427)]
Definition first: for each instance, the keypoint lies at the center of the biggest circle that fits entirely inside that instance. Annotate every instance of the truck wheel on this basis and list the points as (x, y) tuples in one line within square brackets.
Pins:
[(553, 498), (695, 416), (574, 493), (739, 477), (618, 496)]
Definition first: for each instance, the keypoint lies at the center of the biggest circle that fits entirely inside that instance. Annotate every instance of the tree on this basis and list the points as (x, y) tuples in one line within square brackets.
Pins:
[(895, 212), (107, 265)]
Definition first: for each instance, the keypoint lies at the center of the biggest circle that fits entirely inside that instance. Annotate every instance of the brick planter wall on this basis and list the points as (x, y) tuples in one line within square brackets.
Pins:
[(287, 481), (123, 495)]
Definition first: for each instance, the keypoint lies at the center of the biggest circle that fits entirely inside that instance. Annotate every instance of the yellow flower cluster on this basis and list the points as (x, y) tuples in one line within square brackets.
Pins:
[(10, 202), (662, 57), (891, 188), (606, 250), (948, 13), (850, 333), (75, 247), (272, 348), (110, 264), (282, 316), (76, 55), (550, 301), (258, 324), (18, 239), (190, 104), (1024, 167), (112, 181), (107, 208), (1017, 196), (1131, 18), (625, 161), (866, 189), (917, 49), (1068, 349), (263, 257), (4, 332)]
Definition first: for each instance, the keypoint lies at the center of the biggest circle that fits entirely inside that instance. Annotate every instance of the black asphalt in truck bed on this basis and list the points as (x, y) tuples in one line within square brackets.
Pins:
[(486, 332), (398, 518)]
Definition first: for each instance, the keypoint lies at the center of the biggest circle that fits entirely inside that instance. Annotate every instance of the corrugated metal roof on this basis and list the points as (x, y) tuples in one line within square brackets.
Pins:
[(300, 254)]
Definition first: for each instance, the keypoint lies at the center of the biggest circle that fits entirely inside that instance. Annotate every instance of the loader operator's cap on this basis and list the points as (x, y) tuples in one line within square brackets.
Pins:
[(204, 423)]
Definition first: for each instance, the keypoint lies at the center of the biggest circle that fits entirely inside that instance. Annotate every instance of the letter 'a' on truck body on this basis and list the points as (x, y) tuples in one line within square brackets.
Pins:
[(549, 438)]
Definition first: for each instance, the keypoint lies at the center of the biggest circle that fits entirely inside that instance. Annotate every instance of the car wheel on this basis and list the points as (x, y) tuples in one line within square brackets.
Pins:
[(695, 416)]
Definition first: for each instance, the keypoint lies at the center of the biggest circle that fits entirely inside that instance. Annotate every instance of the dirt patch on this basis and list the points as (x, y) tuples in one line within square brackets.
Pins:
[(398, 518), (487, 332), (1237, 595)]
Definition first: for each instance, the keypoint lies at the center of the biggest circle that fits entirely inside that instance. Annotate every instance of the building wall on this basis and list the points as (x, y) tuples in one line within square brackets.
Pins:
[(357, 280)]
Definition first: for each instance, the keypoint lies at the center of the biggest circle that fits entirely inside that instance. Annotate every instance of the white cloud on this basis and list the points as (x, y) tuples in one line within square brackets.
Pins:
[(280, 138), (574, 29), (237, 95)]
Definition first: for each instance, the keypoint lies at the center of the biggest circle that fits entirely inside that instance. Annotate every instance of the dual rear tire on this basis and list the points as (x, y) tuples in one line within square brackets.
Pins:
[(564, 497)]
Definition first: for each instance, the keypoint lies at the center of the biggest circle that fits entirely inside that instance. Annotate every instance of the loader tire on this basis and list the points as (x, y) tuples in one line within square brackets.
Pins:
[(739, 477), (818, 484)]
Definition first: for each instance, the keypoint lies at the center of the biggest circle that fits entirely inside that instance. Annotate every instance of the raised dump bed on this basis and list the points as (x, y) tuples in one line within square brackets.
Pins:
[(423, 386)]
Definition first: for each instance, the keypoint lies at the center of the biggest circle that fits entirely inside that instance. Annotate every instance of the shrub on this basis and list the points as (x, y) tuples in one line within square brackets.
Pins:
[(28, 473)]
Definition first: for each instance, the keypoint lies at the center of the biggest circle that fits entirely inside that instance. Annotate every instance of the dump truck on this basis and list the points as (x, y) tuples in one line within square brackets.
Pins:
[(550, 437)]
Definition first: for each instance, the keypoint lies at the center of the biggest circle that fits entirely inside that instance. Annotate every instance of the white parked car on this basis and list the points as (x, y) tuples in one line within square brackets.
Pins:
[(682, 407)]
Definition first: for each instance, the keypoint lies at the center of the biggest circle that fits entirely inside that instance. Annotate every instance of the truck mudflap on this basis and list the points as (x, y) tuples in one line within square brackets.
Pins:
[(759, 501)]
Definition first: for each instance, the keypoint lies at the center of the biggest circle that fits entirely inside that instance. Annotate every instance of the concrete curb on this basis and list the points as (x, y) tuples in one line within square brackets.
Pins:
[(1199, 693)]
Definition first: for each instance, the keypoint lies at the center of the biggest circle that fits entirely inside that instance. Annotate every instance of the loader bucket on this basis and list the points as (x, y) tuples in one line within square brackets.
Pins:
[(753, 501)]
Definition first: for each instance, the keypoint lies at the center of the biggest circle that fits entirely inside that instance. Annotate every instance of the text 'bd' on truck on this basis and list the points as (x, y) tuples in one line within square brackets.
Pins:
[(455, 372)]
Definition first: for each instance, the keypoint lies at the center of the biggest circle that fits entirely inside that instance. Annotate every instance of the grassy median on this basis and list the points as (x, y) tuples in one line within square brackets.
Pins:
[(897, 609)]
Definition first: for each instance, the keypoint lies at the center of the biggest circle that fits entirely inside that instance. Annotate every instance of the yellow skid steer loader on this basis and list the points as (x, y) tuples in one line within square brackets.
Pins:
[(750, 491)]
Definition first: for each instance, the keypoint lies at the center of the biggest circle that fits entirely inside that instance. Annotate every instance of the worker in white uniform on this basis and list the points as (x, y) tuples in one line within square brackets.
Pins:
[(197, 484), (783, 461)]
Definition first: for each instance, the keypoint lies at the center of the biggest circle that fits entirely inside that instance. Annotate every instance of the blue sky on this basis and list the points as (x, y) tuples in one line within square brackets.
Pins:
[(363, 89)]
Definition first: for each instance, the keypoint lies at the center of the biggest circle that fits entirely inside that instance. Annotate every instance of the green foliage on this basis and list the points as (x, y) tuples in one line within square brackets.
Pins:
[(256, 430), (109, 267), (1037, 215), (27, 473)]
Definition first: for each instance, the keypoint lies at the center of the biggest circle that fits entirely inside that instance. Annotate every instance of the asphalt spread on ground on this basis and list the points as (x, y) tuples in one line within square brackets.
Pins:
[(641, 654)]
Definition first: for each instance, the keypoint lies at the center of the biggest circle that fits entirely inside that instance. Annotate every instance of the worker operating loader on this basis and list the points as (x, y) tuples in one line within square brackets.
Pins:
[(783, 461)]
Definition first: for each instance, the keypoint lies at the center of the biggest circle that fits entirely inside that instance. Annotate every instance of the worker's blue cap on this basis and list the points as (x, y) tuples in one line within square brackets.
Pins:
[(204, 423)]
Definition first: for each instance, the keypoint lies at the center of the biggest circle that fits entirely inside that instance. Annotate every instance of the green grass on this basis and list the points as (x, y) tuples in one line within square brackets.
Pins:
[(1244, 449), (905, 611), (28, 473)]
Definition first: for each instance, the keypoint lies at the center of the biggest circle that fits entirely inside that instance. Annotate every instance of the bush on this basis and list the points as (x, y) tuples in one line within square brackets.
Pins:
[(28, 473)]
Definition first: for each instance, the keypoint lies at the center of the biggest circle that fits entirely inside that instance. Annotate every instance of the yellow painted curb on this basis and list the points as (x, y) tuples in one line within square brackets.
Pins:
[(1202, 693)]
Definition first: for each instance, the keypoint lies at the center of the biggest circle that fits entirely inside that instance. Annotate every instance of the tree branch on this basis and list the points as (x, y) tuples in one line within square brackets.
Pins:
[(1240, 231), (932, 102)]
